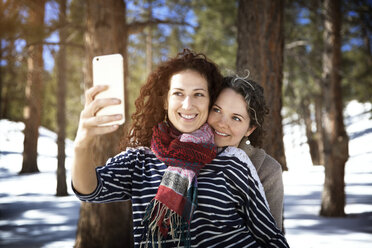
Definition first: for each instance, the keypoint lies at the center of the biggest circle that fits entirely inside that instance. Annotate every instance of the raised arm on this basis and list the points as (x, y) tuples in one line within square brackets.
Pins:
[(83, 175)]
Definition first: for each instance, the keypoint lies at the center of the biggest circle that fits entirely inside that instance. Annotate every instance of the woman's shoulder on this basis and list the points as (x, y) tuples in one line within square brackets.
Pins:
[(245, 164), (140, 151), (270, 164), (261, 160), (241, 160), (232, 151)]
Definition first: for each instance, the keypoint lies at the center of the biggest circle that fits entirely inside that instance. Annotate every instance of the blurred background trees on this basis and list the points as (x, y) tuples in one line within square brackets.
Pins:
[(46, 51), (34, 34)]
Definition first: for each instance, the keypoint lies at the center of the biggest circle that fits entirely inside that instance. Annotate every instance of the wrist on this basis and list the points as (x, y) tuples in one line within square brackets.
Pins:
[(82, 146)]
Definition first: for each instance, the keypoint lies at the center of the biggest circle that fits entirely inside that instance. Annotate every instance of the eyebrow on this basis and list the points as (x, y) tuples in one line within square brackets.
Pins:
[(233, 113), (193, 89)]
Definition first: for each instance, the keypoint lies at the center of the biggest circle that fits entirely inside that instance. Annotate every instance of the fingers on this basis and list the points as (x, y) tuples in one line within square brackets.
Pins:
[(91, 93), (100, 120), (91, 125), (93, 104), (98, 104)]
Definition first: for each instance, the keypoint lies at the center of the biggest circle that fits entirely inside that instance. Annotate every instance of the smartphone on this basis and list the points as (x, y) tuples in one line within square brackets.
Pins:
[(109, 70)]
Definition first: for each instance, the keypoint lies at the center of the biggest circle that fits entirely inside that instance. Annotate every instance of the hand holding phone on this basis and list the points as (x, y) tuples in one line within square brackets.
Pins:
[(109, 70)]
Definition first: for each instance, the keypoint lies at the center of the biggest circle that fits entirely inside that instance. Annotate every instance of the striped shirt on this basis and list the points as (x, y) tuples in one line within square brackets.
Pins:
[(231, 211)]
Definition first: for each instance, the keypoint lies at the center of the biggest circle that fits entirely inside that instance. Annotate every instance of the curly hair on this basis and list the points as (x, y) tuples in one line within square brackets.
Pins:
[(253, 94), (151, 101)]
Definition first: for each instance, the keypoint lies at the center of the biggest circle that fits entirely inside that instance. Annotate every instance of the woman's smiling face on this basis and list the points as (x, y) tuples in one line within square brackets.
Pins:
[(187, 101), (229, 119)]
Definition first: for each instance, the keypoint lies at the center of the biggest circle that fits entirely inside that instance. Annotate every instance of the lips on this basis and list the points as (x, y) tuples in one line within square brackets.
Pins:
[(188, 117), (221, 134)]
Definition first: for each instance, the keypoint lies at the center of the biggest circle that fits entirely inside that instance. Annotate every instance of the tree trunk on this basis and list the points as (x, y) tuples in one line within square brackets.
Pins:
[(35, 67), (260, 50), (310, 134), (105, 225), (335, 139), (61, 106)]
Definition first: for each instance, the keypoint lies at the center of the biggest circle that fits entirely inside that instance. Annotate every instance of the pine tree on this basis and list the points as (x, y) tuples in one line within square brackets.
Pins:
[(61, 106), (335, 139), (33, 108), (260, 50)]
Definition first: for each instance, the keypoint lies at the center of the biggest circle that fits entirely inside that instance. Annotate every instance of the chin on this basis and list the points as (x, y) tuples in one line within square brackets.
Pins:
[(186, 129)]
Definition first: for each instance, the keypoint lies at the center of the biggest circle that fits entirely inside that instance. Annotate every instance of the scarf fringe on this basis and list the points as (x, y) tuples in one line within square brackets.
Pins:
[(159, 220)]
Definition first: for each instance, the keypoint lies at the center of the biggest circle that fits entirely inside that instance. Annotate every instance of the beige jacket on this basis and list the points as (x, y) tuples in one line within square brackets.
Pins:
[(270, 173)]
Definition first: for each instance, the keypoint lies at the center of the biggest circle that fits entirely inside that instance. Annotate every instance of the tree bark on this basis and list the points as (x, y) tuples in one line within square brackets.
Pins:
[(61, 106), (105, 225), (260, 50), (34, 86), (335, 139), (310, 134)]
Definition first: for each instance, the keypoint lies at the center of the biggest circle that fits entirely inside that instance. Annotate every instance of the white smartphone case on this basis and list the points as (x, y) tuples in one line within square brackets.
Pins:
[(109, 70)]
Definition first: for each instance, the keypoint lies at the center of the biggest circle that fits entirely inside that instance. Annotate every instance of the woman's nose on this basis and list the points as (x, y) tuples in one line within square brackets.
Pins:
[(187, 103), (223, 122)]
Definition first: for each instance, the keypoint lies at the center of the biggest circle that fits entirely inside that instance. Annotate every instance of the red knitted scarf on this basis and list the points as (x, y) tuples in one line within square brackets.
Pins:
[(170, 212)]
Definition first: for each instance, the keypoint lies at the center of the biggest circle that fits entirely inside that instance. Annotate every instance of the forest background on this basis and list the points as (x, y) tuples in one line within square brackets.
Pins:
[(318, 52)]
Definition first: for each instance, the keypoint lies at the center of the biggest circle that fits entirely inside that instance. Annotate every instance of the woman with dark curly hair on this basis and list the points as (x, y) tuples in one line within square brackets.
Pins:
[(183, 193), (237, 118)]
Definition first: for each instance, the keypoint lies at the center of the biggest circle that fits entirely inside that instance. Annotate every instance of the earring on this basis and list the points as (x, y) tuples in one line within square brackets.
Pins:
[(247, 142)]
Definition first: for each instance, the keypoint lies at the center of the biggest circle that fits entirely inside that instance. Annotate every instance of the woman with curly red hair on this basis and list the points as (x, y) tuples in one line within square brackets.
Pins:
[(149, 104), (172, 163)]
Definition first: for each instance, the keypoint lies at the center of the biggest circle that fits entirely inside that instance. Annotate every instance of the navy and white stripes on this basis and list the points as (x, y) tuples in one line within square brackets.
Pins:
[(231, 211)]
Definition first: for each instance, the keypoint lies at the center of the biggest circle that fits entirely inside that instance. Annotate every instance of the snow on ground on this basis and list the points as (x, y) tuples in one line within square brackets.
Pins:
[(32, 216), (304, 184)]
